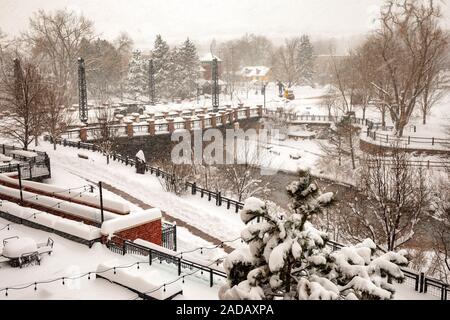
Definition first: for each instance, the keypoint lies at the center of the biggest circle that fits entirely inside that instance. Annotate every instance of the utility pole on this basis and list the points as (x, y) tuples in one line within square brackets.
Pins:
[(101, 201), (82, 91), (215, 85), (264, 93), (20, 184)]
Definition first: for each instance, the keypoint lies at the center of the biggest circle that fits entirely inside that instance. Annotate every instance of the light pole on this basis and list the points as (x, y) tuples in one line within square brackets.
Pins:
[(263, 91)]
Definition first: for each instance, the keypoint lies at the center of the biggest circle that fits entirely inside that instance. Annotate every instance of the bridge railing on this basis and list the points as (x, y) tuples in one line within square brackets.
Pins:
[(407, 140)]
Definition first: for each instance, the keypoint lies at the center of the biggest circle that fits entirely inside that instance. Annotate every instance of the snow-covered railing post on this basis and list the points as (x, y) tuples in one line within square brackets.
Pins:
[(218, 198), (194, 188), (101, 201), (211, 280), (179, 266), (422, 283), (20, 184)]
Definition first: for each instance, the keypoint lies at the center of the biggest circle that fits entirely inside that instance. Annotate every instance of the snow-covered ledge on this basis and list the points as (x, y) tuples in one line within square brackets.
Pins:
[(130, 221)]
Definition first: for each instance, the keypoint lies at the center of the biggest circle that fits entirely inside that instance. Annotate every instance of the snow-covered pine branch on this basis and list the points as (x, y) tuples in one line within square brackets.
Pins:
[(287, 257)]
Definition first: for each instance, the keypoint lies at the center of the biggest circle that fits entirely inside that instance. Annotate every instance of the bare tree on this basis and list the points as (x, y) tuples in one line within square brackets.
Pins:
[(409, 42), (330, 100), (106, 134), (57, 119), (434, 90), (285, 62), (395, 200), (242, 178), (55, 40), (21, 91), (441, 230), (175, 177), (346, 83)]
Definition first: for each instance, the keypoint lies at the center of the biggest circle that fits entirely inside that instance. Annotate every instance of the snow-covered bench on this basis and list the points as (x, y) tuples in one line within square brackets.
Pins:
[(140, 283)]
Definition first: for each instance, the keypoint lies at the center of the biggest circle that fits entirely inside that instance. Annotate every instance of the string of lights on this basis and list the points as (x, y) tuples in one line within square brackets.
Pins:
[(177, 279), (88, 274), (220, 245)]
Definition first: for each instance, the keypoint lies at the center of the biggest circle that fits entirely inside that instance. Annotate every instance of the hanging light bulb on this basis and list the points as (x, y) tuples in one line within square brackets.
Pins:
[(201, 250), (59, 205), (37, 197), (89, 276), (63, 281), (164, 288), (35, 286), (138, 265), (114, 270), (183, 279)]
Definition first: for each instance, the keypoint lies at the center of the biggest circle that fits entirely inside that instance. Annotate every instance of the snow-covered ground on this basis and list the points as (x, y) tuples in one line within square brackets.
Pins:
[(69, 170), (70, 259)]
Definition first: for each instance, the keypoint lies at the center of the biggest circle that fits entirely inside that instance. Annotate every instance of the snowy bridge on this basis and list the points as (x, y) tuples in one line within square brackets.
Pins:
[(150, 124)]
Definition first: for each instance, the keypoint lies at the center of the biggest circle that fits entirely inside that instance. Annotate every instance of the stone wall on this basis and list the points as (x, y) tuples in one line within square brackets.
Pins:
[(159, 147)]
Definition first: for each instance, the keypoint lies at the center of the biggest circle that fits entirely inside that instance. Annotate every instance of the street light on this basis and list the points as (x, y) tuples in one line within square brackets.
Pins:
[(263, 91)]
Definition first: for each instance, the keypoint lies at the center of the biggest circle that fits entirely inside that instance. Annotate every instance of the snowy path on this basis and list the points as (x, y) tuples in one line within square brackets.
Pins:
[(217, 222)]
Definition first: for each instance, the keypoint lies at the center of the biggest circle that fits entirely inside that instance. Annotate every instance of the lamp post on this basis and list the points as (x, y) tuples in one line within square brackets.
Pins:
[(263, 91)]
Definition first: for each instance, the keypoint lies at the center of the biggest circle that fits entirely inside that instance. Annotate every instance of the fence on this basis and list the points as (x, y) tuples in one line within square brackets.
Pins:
[(31, 167), (386, 138), (317, 118), (216, 195), (412, 163), (169, 236), (123, 247)]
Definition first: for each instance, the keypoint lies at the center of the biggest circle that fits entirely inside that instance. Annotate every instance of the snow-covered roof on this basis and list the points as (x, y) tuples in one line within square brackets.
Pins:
[(255, 71), (209, 58)]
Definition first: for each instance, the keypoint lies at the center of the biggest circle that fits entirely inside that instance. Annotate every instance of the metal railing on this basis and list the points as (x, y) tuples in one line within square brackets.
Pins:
[(121, 246), (195, 189), (30, 167)]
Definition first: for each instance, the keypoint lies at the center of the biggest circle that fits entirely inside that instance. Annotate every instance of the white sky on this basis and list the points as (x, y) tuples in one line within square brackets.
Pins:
[(203, 20)]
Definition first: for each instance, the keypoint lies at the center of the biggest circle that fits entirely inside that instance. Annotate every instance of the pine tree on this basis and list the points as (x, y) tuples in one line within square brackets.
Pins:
[(287, 257), (161, 59), (136, 83), (305, 60), (189, 66)]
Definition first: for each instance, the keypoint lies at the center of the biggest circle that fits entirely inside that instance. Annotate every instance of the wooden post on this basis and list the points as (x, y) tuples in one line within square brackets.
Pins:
[(101, 200), (20, 184)]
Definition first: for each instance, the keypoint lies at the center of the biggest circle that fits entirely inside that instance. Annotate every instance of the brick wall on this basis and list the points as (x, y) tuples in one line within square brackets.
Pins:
[(151, 231)]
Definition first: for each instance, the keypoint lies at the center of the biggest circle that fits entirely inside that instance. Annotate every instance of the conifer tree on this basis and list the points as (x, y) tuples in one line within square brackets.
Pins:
[(136, 83), (305, 60), (286, 257), (161, 59)]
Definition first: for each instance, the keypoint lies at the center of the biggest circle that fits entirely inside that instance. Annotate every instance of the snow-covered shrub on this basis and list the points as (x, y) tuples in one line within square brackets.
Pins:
[(286, 257)]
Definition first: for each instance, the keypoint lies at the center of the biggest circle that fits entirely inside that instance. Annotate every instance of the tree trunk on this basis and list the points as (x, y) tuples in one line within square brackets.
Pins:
[(424, 118), (54, 144), (352, 151)]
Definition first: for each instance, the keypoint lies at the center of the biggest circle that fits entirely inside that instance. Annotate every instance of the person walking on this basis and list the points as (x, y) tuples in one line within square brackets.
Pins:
[(280, 88)]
